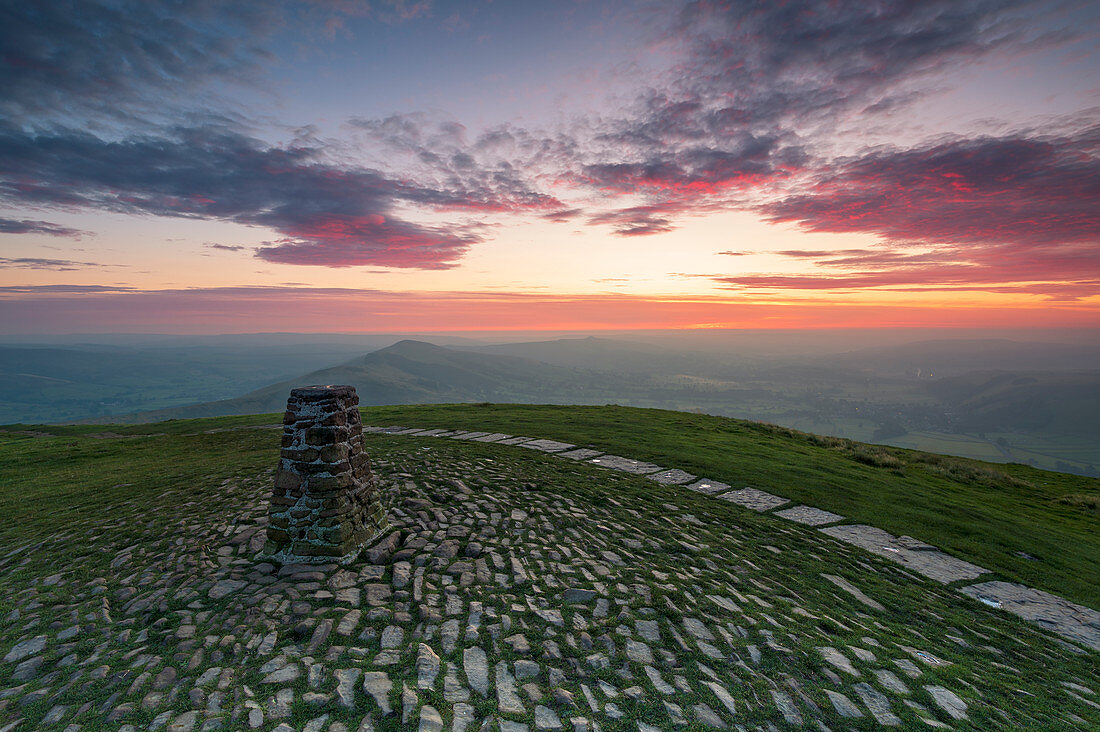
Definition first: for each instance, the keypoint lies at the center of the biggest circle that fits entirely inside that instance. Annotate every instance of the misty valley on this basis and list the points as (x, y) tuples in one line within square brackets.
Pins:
[(994, 399)]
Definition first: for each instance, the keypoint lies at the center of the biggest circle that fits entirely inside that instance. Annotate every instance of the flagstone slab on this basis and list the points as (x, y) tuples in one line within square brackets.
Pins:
[(755, 499), (709, 487), (616, 462), (492, 437), (469, 436), (548, 445), (809, 516), (1075, 622), (912, 553), (581, 453), (673, 476)]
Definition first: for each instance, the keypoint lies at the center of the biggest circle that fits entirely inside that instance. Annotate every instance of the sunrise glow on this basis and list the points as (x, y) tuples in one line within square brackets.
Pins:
[(399, 166)]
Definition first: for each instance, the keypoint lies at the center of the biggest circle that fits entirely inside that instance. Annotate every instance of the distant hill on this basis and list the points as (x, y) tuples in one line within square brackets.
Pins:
[(599, 353), (918, 395), (1042, 401), (942, 358), (414, 372), (54, 384), (83, 381)]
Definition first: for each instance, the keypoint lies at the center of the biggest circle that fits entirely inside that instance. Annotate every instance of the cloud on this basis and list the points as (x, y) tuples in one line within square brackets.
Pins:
[(943, 277), (635, 221), (103, 57), (27, 226), (562, 216), (56, 265), (497, 172), (132, 59), (752, 63), (63, 289), (387, 11), (352, 241), (733, 120), (328, 213), (65, 309), (224, 247), (1018, 208), (739, 111), (748, 161), (1030, 190)]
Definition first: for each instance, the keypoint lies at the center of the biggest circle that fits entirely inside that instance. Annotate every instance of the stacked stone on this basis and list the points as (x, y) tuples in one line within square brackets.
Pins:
[(325, 503)]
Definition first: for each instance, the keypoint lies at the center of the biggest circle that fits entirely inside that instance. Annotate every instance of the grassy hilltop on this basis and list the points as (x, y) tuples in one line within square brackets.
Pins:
[(988, 513), (129, 591), (1033, 526)]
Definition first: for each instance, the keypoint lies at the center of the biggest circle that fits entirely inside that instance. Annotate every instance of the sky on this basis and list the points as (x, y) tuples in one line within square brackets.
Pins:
[(429, 166)]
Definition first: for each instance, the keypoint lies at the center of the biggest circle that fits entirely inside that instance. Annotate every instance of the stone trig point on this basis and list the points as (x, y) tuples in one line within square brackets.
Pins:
[(325, 504)]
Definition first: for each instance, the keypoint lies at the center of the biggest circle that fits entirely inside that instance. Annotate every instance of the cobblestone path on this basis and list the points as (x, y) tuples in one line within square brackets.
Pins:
[(516, 590), (1073, 621)]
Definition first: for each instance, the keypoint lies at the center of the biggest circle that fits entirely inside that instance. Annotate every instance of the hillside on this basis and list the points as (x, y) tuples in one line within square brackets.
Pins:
[(1051, 402), (82, 381), (524, 587), (1045, 418), (605, 354), (943, 358), (414, 372)]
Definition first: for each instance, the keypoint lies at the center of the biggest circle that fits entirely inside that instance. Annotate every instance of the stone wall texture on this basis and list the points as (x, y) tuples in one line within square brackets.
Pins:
[(325, 502)]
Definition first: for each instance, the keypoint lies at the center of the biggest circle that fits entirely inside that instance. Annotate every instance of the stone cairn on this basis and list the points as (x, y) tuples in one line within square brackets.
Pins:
[(325, 505)]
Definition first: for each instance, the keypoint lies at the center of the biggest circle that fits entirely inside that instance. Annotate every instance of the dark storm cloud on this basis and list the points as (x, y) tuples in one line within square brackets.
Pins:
[(328, 213), (28, 226)]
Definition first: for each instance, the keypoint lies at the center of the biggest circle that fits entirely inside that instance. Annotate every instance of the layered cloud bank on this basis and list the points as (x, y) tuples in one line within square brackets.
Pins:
[(80, 308)]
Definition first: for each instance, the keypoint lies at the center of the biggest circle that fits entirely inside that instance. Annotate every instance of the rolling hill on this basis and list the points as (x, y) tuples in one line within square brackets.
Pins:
[(414, 372), (1043, 401), (944, 358), (904, 395)]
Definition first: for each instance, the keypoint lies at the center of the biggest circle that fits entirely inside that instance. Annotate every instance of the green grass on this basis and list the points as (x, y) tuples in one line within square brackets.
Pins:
[(951, 444), (986, 513), (173, 491), (46, 482), (982, 512)]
